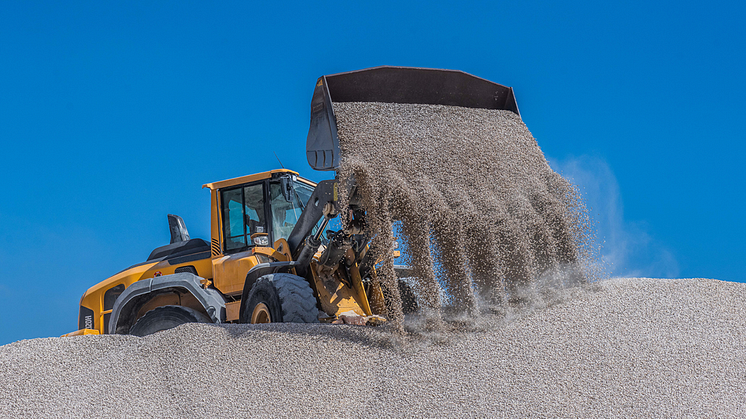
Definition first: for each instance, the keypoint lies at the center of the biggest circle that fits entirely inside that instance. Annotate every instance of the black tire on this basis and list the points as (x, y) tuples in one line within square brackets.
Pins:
[(166, 317), (281, 297), (408, 298)]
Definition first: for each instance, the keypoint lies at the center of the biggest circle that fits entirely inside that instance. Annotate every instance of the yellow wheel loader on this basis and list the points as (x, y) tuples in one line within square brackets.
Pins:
[(271, 255)]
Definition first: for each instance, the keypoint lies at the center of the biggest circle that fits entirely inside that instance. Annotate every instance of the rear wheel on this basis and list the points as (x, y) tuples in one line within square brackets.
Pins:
[(277, 298), (166, 317)]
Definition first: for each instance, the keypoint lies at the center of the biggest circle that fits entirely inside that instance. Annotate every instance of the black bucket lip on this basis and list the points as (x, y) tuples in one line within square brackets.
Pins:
[(431, 86)]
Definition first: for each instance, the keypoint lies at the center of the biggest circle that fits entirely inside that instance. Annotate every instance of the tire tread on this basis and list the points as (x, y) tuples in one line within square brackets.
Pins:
[(297, 299)]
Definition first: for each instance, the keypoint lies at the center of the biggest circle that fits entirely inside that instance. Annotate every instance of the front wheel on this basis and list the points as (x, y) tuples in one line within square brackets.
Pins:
[(281, 297), (409, 303), (166, 317), (408, 298)]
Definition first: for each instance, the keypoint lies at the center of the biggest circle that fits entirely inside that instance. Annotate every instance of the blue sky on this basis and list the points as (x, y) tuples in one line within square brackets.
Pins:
[(113, 114)]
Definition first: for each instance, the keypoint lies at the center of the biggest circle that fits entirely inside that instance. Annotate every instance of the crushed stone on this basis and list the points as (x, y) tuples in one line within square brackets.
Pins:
[(629, 348)]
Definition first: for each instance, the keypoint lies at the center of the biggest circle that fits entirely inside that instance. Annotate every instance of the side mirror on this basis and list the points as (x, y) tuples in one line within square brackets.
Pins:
[(288, 190)]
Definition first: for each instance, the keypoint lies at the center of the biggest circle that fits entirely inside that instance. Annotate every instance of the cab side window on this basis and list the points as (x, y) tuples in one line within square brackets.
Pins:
[(243, 215)]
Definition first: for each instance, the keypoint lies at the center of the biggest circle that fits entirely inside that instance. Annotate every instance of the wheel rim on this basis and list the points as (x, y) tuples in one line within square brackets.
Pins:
[(261, 314)]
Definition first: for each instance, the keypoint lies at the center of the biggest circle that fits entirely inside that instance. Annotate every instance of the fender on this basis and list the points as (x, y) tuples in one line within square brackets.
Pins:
[(127, 304)]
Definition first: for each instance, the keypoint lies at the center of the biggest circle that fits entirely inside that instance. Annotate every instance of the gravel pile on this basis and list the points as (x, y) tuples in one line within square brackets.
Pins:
[(621, 348), (474, 184)]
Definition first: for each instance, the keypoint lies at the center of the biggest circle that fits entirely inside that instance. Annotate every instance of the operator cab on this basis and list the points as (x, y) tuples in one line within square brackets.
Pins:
[(261, 209)]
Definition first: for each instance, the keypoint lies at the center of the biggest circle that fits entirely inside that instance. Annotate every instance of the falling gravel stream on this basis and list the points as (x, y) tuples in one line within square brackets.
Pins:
[(483, 216)]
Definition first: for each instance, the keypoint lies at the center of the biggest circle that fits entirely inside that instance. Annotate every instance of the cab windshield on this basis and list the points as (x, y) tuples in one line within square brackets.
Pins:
[(287, 208)]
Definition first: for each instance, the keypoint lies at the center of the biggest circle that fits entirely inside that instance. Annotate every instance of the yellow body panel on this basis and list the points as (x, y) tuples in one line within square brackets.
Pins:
[(94, 297), (271, 253), (229, 272), (336, 297), (216, 239), (232, 311), (357, 286), (283, 249), (82, 332), (375, 296), (251, 178)]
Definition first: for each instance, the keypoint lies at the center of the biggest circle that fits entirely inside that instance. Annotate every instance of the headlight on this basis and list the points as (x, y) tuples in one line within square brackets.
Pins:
[(262, 240)]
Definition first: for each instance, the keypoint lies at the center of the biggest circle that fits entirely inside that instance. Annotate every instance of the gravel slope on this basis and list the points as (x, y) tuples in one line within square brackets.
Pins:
[(628, 348)]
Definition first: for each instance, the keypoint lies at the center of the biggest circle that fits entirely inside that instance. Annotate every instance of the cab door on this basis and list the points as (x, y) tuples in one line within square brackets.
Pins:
[(242, 213)]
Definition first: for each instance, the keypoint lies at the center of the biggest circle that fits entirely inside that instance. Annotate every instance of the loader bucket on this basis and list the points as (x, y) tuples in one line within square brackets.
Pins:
[(393, 85)]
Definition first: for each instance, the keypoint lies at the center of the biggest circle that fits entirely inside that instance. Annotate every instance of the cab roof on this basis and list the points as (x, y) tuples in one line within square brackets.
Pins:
[(253, 178)]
